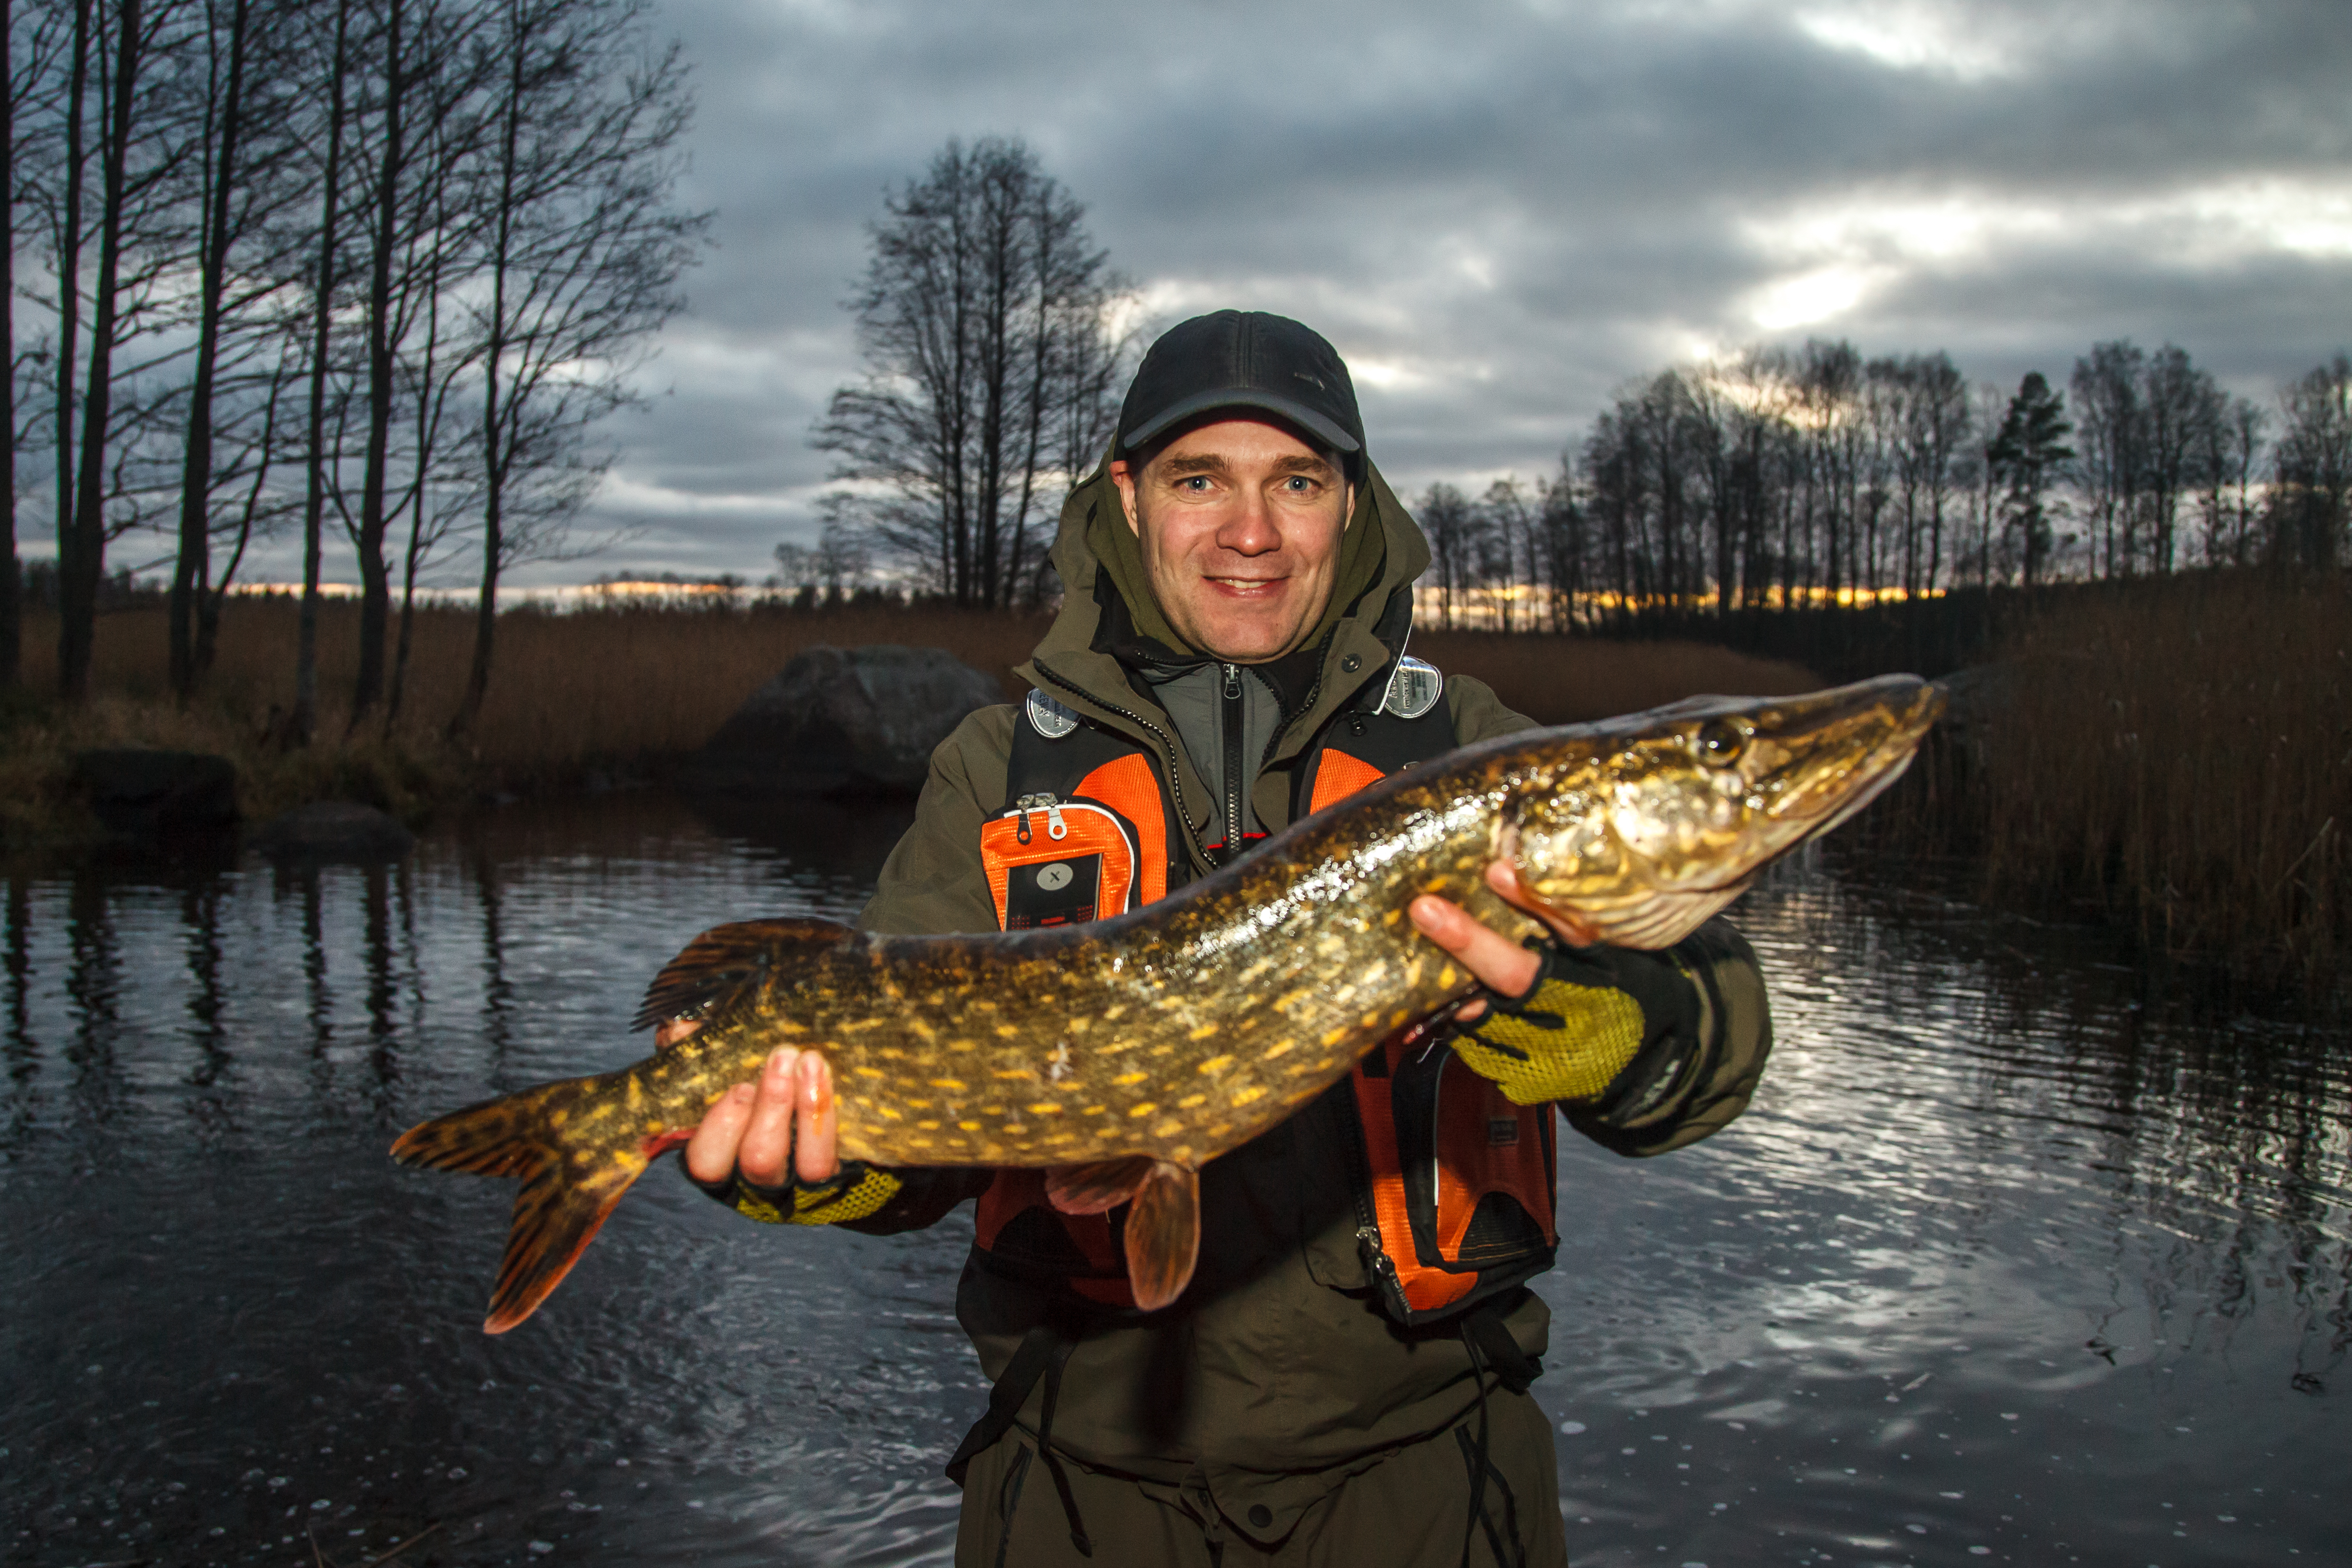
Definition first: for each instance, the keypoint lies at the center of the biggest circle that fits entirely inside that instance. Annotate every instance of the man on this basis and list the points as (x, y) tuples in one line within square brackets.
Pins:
[(1345, 1379)]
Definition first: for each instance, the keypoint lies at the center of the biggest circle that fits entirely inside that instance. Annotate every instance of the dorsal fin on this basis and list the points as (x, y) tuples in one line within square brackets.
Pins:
[(719, 964)]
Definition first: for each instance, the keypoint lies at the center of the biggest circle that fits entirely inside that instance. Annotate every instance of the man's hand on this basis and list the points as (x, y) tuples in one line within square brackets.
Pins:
[(755, 1130), (1500, 964), (1571, 1021)]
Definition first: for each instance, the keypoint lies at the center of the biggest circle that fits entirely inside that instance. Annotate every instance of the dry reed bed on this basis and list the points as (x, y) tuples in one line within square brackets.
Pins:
[(628, 687), (2180, 753)]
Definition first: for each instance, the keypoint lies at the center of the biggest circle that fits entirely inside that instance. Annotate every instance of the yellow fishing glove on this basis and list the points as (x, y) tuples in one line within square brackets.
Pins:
[(1589, 1015), (855, 1191)]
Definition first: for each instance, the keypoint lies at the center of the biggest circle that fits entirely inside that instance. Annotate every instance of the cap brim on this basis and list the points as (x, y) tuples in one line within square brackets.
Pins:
[(1306, 419)]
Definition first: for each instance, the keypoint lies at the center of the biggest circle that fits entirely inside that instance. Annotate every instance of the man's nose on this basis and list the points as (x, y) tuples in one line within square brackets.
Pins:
[(1251, 529)]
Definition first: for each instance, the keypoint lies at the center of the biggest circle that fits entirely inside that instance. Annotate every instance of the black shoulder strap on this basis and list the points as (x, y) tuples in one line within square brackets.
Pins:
[(1367, 733)]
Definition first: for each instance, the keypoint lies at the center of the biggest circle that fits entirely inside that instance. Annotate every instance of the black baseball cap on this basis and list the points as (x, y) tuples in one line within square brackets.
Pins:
[(1242, 359)]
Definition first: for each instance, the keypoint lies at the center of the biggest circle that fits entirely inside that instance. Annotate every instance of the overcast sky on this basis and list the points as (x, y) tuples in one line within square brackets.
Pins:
[(1500, 212)]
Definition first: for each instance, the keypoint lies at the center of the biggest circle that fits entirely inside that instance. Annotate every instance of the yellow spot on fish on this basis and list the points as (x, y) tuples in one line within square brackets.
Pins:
[(1333, 1037), (1397, 1019), (864, 1071), (1014, 1127), (1446, 977), (969, 1126), (1044, 1108), (1008, 1030), (1214, 1064), (1012, 1072), (886, 1112), (1281, 1047), (1144, 1109), (963, 1045), (928, 1127), (1204, 1032), (1248, 1092), (946, 1082), (1125, 1079), (1189, 1101), (1169, 1130)]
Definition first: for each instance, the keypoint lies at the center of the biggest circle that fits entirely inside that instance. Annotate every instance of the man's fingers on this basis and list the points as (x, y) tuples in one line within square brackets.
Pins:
[(1566, 924), (710, 1152), (813, 1156), (1494, 958), (767, 1142)]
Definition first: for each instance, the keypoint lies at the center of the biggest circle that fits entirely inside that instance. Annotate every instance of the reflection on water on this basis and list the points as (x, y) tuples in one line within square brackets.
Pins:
[(2015, 1260)]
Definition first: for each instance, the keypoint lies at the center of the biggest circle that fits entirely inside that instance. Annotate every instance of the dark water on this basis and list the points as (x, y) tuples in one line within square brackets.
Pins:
[(2010, 1262)]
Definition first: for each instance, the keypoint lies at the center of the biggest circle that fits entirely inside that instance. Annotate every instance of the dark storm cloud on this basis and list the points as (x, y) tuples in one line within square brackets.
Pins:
[(1501, 213)]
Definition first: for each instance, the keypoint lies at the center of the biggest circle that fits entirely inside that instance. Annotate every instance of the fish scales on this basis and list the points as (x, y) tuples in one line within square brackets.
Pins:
[(1124, 1054)]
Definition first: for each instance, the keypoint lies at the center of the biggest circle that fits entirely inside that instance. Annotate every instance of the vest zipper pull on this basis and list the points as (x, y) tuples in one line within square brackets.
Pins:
[(1042, 802), (1232, 682)]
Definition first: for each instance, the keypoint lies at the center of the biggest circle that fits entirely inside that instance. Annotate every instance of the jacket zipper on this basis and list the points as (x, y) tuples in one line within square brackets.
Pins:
[(1167, 744), (1235, 739)]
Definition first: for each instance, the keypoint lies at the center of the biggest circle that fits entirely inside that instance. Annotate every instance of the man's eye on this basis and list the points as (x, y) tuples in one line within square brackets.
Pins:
[(1299, 484), (1196, 483)]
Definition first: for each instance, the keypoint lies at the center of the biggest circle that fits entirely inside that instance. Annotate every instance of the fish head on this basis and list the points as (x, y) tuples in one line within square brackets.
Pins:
[(1647, 825)]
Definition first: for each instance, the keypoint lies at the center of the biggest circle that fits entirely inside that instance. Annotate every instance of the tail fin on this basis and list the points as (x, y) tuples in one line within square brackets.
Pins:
[(568, 1188)]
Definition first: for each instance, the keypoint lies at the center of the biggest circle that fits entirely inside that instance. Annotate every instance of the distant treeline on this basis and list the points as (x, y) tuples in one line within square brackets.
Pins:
[(1818, 478), (371, 267)]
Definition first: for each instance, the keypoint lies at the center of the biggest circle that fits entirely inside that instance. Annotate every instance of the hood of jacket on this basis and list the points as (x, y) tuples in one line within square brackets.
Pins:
[(1109, 625)]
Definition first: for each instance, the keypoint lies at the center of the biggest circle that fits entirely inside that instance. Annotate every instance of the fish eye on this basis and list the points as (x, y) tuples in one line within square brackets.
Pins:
[(1720, 743)]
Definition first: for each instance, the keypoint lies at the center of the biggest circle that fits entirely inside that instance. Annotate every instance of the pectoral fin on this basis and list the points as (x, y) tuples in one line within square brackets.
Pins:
[(1097, 1189), (1163, 1234)]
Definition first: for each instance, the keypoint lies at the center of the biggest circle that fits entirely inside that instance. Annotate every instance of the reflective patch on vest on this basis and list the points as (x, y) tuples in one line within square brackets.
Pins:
[(1057, 892), (1502, 1131), (1415, 686), (1048, 717)]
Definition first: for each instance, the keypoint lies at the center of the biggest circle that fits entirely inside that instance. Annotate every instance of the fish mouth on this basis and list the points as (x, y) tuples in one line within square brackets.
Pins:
[(1847, 745)]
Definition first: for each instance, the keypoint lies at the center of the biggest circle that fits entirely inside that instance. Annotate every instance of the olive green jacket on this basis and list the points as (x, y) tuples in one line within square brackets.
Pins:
[(1277, 1374)]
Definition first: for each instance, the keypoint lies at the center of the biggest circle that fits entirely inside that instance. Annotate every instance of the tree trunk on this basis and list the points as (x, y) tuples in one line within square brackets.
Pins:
[(70, 290), (191, 573), (496, 457), (12, 583), (375, 579), (78, 574), (304, 722)]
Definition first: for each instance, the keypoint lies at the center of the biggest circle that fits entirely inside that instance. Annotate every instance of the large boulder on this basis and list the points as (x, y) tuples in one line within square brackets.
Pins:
[(337, 832), (844, 722), (144, 794)]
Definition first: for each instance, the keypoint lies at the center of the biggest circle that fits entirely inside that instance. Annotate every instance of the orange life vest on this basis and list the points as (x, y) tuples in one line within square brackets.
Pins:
[(1454, 1189)]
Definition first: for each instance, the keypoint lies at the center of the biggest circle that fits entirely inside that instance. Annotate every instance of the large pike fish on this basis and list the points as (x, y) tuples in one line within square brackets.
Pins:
[(1125, 1054)]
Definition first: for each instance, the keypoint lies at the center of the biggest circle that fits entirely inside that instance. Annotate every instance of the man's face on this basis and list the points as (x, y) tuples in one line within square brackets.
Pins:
[(1240, 525)]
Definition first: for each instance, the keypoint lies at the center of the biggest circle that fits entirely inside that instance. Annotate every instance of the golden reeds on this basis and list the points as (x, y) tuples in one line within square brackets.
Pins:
[(2179, 752)]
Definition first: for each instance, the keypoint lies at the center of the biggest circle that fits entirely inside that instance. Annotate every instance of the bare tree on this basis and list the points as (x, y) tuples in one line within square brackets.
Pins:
[(243, 184), (986, 321), (142, 140), (326, 279), (2311, 504), (419, 125), (582, 258), (1452, 525)]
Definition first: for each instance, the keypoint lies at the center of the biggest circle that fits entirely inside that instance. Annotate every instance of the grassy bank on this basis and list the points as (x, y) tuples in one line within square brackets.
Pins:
[(626, 690), (2176, 755)]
